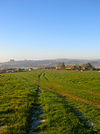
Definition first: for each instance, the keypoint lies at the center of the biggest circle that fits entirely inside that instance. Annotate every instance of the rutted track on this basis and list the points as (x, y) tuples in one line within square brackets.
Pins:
[(37, 112)]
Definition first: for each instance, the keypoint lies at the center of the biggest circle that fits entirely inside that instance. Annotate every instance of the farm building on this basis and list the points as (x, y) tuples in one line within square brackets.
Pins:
[(70, 67)]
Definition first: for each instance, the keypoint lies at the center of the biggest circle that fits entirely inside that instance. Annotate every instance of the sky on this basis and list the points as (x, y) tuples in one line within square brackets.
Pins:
[(49, 29)]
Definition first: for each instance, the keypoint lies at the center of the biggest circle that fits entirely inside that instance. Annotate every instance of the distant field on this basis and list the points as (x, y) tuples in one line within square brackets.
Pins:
[(64, 102)]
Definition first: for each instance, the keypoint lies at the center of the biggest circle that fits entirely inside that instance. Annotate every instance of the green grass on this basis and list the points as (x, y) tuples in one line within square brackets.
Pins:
[(81, 88), (17, 94), (61, 116), (66, 114)]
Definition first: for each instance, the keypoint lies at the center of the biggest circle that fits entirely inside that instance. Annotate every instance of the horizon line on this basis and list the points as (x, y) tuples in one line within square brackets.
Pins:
[(50, 59)]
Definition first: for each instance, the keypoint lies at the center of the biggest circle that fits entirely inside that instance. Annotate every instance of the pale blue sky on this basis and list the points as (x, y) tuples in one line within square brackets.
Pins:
[(47, 29)]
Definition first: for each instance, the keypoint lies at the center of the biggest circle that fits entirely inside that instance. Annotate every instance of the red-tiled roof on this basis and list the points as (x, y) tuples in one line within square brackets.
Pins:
[(69, 66)]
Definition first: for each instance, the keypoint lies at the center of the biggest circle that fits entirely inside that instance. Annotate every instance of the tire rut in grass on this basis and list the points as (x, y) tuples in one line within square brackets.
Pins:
[(36, 114), (44, 75)]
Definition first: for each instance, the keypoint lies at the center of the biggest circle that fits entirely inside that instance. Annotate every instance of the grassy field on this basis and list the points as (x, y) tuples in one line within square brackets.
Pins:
[(61, 116), (17, 95), (68, 103), (82, 89)]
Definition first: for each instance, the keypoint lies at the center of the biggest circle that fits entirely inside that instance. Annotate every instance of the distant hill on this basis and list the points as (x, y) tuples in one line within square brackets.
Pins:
[(44, 63)]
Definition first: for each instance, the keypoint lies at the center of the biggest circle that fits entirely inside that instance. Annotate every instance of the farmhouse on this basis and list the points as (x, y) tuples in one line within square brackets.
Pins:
[(83, 67), (70, 67), (58, 67)]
